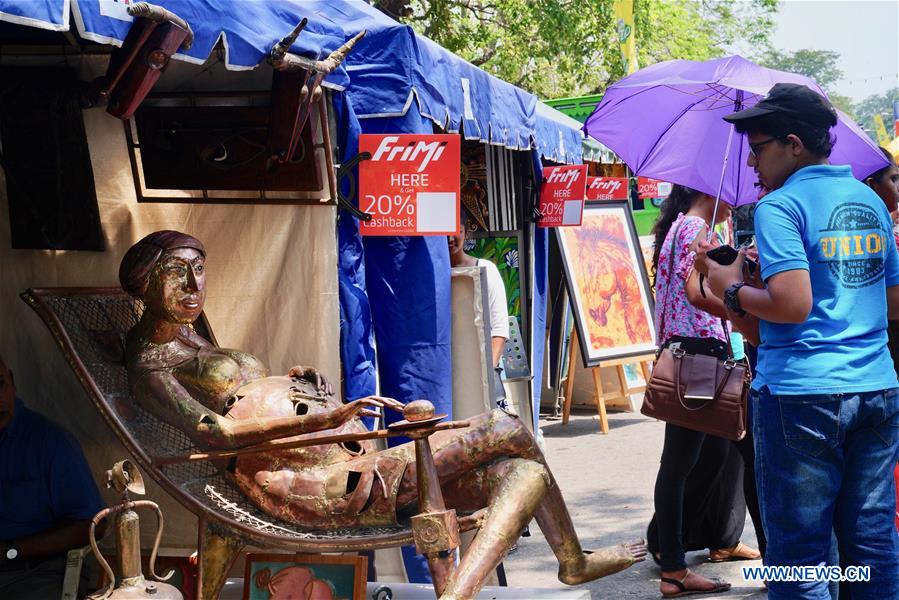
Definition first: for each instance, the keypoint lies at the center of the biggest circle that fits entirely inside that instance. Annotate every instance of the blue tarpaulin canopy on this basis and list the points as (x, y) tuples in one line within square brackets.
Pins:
[(247, 28), (391, 67), (555, 137)]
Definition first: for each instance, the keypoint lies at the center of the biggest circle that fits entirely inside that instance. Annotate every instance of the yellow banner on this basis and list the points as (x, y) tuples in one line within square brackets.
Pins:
[(883, 138), (624, 27)]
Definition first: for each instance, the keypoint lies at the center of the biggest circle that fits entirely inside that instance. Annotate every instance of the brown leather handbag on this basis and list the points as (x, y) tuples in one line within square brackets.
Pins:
[(695, 391)]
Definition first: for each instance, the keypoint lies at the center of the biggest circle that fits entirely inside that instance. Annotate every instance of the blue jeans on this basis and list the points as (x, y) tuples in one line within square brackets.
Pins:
[(824, 463)]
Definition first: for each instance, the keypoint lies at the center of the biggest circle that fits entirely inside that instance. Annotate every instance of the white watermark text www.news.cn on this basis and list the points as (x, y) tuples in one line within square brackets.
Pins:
[(806, 573)]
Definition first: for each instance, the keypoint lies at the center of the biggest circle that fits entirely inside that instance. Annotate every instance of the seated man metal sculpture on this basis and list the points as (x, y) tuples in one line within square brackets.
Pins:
[(226, 399)]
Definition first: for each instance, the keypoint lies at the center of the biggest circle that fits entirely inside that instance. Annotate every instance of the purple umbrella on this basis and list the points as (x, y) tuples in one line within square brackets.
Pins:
[(665, 121)]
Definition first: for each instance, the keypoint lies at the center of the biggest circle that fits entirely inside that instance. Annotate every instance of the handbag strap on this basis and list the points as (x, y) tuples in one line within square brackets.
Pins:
[(670, 273), (671, 253)]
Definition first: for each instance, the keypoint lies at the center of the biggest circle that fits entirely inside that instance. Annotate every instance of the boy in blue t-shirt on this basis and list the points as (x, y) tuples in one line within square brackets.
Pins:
[(825, 404)]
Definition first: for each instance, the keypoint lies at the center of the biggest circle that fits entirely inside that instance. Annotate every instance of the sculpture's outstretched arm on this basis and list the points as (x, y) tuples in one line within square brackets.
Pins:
[(161, 394)]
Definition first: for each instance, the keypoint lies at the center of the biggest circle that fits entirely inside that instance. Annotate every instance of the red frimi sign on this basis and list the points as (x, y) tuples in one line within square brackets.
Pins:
[(647, 187), (410, 185), (607, 188), (562, 196)]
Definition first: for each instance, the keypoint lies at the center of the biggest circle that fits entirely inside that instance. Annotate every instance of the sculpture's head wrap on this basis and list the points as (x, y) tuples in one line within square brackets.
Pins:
[(138, 263)]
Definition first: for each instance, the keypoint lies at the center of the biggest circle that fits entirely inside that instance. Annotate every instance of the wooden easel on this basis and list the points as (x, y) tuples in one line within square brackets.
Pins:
[(623, 392)]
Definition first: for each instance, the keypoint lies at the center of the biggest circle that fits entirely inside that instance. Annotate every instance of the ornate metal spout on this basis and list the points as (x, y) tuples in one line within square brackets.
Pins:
[(124, 477)]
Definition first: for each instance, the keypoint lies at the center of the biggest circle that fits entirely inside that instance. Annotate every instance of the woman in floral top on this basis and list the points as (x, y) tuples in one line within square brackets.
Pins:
[(683, 315)]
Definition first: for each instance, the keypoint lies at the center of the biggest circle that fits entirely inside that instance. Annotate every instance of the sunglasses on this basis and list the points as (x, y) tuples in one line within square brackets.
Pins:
[(755, 149)]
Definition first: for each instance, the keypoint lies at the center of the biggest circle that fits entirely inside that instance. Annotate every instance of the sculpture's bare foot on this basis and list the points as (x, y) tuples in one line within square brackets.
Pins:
[(593, 565)]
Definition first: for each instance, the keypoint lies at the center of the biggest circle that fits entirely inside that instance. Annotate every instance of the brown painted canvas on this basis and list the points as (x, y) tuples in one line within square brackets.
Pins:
[(608, 284)]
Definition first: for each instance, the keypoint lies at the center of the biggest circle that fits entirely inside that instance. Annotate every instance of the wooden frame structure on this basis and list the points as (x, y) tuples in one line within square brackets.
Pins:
[(579, 311), (624, 390)]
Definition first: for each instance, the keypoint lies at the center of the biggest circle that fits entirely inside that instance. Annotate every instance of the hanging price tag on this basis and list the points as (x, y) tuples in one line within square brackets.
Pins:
[(410, 185), (562, 196), (607, 188)]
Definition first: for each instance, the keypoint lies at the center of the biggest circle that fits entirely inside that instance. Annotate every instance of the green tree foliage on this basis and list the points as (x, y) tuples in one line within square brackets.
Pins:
[(820, 65), (877, 104), (557, 48)]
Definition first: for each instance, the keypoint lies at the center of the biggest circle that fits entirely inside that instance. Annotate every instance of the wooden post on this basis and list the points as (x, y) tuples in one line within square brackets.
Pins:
[(569, 382), (600, 400), (644, 365), (624, 389)]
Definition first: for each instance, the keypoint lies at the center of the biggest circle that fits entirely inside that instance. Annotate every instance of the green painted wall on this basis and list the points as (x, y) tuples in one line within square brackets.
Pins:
[(577, 108)]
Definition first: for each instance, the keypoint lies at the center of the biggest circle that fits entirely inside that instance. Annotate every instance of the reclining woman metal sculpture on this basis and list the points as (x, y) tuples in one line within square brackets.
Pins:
[(226, 399)]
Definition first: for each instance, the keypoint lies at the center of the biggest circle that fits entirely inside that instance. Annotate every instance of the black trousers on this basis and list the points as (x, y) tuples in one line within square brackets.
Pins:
[(35, 579), (711, 520), (704, 487)]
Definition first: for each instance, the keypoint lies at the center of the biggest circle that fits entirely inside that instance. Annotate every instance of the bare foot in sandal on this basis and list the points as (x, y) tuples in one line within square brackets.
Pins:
[(738, 551), (676, 584)]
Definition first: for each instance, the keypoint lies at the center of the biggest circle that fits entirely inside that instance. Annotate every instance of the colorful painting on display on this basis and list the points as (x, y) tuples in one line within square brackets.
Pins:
[(288, 576), (633, 375), (607, 284), (473, 175), (503, 252)]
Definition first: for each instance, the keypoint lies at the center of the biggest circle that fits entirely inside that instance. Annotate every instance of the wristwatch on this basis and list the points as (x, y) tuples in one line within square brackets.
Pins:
[(732, 299), (11, 551)]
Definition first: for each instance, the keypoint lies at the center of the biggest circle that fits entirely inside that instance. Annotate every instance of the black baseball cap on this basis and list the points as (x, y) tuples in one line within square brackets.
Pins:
[(793, 100)]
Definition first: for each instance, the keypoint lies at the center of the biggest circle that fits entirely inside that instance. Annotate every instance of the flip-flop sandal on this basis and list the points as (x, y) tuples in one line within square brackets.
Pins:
[(720, 586), (740, 552)]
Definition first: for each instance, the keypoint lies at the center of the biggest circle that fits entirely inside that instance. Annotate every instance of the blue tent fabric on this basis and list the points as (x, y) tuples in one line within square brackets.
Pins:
[(248, 28), (393, 68), (540, 283), (557, 136), (44, 14), (357, 351), (408, 282)]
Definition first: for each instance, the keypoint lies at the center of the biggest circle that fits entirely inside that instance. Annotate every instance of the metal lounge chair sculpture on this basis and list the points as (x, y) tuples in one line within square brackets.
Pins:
[(278, 460), (90, 325)]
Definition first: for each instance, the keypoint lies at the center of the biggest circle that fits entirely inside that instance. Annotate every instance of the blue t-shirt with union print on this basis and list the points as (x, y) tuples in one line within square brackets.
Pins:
[(825, 221)]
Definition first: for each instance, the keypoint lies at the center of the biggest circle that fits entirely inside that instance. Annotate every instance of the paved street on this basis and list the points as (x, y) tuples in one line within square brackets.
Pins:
[(607, 481)]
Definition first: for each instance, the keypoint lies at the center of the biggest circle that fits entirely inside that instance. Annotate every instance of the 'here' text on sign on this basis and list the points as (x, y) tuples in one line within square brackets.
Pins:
[(607, 188), (562, 196), (410, 185)]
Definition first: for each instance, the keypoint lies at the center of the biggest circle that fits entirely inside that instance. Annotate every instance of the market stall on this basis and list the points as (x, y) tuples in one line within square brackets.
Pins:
[(278, 241)]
